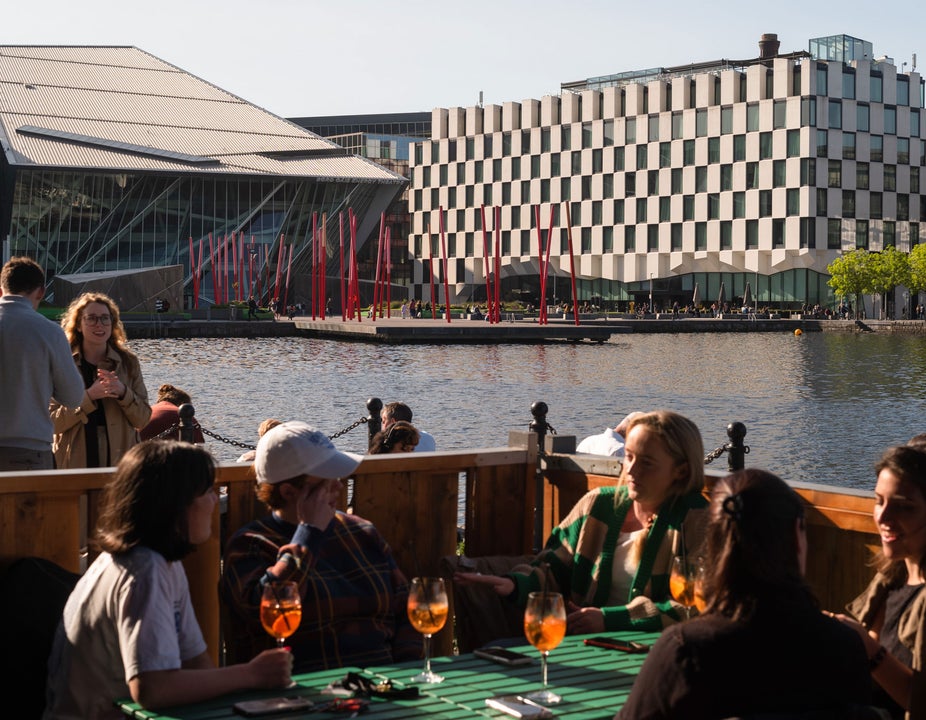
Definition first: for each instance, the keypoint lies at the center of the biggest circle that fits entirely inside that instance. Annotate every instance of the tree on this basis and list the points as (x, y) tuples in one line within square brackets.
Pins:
[(850, 275), (917, 260), (889, 268)]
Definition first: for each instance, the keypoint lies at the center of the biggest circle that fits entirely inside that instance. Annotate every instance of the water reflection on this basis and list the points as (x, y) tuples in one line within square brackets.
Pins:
[(818, 408)]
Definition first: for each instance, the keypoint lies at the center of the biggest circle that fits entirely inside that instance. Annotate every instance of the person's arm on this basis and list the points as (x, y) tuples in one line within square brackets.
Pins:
[(199, 680), (63, 418), (661, 690), (134, 400), (891, 674), (67, 383)]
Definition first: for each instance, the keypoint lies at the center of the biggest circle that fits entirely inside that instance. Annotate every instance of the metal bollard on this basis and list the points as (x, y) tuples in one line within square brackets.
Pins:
[(736, 448), (374, 420), (539, 426), (187, 422)]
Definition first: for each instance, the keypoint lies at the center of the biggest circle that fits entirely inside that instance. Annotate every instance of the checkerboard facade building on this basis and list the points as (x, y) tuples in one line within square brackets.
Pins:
[(760, 171)]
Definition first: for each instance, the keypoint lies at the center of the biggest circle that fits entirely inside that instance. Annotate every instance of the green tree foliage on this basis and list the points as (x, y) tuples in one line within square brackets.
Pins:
[(850, 275), (917, 259), (888, 269)]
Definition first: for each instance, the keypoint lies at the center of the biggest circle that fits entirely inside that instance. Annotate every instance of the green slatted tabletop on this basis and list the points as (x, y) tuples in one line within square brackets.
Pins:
[(593, 682)]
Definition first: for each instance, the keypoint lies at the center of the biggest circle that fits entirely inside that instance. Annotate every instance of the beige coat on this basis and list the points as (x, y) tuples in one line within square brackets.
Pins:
[(123, 417)]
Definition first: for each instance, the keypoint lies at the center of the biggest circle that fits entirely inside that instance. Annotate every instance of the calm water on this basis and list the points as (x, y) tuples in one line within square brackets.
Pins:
[(818, 408)]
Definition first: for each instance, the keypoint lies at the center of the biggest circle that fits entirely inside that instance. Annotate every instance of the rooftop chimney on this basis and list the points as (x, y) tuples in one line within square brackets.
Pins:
[(768, 46)]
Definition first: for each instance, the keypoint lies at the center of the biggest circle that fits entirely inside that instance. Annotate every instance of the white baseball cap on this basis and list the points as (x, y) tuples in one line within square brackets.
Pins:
[(296, 448)]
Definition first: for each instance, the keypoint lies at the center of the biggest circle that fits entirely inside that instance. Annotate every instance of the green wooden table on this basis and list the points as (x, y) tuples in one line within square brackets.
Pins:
[(593, 682)]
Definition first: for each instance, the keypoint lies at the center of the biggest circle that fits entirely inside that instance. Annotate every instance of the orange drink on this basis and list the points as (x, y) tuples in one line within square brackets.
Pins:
[(544, 633), (681, 589), (280, 619), (427, 617)]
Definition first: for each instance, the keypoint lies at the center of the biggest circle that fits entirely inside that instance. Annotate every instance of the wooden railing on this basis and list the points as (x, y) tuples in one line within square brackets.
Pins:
[(414, 501)]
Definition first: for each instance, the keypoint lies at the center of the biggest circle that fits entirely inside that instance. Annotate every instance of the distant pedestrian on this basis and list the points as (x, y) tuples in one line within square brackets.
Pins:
[(35, 366), (252, 307)]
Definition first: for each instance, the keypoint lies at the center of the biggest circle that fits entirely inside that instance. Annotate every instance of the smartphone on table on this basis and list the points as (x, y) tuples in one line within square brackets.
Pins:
[(272, 706), (615, 644), (518, 706), (503, 656)]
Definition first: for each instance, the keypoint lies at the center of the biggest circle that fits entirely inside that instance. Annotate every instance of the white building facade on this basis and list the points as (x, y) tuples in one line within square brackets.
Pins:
[(717, 175)]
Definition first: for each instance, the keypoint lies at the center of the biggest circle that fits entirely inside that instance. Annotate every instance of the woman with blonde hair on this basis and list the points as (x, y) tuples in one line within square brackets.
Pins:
[(115, 405), (612, 555)]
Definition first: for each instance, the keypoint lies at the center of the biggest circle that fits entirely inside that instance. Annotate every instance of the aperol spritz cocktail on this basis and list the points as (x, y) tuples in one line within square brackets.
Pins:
[(545, 628), (686, 584), (280, 610), (427, 610)]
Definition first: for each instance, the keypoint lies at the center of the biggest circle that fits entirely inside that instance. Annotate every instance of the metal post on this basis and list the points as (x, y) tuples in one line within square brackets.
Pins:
[(187, 422), (736, 449), (374, 420), (539, 426)]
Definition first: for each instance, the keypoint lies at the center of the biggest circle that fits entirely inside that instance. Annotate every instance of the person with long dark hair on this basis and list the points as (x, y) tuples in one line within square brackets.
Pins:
[(762, 645), (890, 616), (128, 627)]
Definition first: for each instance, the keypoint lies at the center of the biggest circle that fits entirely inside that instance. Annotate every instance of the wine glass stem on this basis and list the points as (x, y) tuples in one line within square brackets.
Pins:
[(280, 642), (543, 667), (427, 653)]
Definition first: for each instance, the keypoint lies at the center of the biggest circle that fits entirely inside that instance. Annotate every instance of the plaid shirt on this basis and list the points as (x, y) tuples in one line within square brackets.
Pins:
[(353, 595)]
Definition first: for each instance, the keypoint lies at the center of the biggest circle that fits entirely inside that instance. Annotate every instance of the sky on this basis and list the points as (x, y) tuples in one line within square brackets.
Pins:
[(310, 58)]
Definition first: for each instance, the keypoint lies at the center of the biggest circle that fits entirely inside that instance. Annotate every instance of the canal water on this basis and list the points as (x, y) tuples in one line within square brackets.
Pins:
[(818, 408)]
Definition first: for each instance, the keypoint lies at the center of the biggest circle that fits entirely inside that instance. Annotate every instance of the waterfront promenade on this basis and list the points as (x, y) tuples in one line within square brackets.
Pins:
[(594, 329)]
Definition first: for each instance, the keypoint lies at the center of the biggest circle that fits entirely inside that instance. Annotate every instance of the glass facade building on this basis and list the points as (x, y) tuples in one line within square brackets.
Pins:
[(96, 178)]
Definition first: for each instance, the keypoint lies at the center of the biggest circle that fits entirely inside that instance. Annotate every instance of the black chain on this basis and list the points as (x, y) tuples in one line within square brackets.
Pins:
[(175, 427), (346, 430), (717, 452)]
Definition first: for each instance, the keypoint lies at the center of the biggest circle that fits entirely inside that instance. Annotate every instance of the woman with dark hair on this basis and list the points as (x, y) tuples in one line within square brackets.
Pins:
[(400, 437), (891, 613), (105, 425), (762, 645), (128, 627), (612, 555)]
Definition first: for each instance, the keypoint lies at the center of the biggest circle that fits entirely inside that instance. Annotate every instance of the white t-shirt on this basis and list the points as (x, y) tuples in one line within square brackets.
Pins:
[(607, 443), (129, 614), (425, 442), (624, 568)]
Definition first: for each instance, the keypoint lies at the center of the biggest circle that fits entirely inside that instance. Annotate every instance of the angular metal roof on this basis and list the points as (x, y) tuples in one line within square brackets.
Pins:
[(101, 107)]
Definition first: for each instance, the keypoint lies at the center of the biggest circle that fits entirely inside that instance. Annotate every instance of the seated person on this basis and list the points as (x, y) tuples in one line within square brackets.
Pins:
[(611, 557), (353, 595), (128, 627), (396, 411), (165, 415), (401, 437), (890, 616), (262, 429), (610, 442), (762, 646)]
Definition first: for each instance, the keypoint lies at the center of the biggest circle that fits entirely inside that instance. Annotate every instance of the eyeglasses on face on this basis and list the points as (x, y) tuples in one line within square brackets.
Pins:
[(97, 319)]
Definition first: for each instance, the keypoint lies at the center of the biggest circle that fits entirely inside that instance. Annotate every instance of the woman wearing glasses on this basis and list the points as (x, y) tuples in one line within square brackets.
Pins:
[(104, 427)]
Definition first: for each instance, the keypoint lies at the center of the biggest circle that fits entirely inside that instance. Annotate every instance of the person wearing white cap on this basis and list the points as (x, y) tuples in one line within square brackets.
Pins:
[(353, 594)]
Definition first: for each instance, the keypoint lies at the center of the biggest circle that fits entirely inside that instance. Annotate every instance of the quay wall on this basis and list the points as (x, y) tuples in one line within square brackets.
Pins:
[(437, 331)]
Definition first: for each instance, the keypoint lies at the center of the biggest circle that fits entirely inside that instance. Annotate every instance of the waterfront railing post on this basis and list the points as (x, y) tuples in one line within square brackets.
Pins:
[(539, 426), (187, 422), (374, 420), (736, 448)]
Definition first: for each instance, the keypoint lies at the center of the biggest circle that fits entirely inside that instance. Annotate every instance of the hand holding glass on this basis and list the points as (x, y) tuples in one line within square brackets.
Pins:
[(427, 610), (545, 627), (280, 609)]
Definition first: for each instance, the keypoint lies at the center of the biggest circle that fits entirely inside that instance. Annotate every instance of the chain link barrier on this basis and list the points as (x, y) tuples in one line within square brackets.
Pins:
[(245, 446), (717, 452)]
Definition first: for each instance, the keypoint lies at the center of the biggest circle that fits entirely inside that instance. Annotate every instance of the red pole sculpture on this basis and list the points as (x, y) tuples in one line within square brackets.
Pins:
[(215, 286), (322, 264), (192, 268), (496, 228), (354, 269), (314, 264), (279, 273), (572, 266), (487, 255), (388, 272), (289, 266), (341, 256), (431, 274), (379, 260), (443, 249), (198, 278), (542, 310)]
